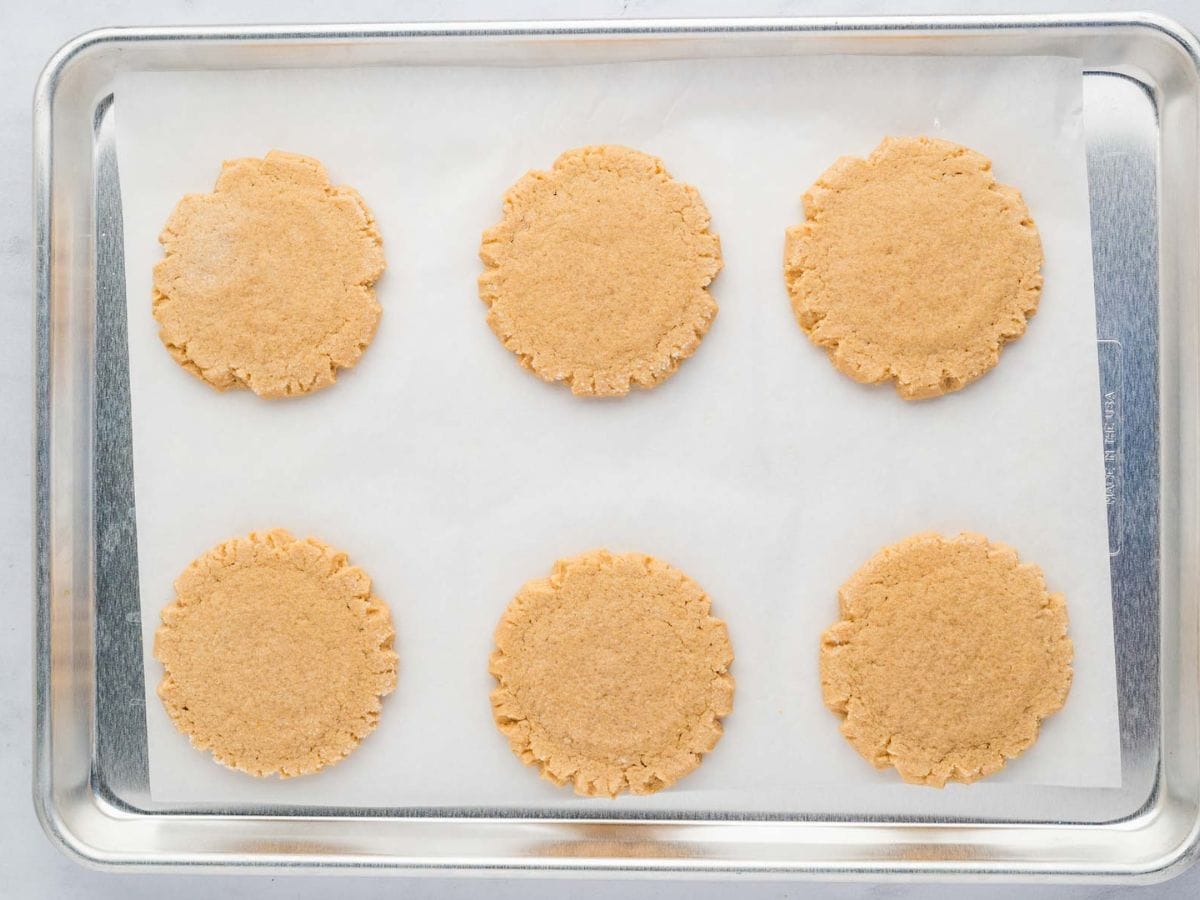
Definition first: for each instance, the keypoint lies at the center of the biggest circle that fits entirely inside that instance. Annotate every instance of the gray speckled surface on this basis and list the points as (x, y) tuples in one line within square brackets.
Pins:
[(29, 33)]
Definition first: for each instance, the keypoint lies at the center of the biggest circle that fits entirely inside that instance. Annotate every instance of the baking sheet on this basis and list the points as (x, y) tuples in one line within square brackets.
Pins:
[(452, 475)]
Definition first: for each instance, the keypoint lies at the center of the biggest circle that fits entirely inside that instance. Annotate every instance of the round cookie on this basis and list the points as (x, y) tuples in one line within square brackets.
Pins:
[(597, 275), (914, 265), (267, 282), (612, 674), (949, 653), (275, 654)]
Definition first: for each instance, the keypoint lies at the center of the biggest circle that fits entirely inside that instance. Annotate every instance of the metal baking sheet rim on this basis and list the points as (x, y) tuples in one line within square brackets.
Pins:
[(91, 824)]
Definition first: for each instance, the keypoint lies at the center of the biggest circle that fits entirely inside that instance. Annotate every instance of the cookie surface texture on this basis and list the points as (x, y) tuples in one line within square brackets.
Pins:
[(914, 265), (268, 282), (598, 273), (948, 654), (612, 674), (275, 654)]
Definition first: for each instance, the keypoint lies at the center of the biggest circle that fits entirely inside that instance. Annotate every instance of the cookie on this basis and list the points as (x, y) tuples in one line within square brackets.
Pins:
[(612, 674), (914, 265), (268, 282), (948, 655), (598, 274), (275, 654)]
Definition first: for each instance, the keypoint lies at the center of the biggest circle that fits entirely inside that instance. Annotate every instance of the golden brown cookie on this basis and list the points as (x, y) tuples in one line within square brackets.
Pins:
[(598, 273), (949, 653), (612, 674), (914, 265), (275, 654), (267, 282)]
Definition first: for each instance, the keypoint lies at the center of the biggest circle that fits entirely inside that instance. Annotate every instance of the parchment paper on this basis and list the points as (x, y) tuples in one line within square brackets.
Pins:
[(452, 475)]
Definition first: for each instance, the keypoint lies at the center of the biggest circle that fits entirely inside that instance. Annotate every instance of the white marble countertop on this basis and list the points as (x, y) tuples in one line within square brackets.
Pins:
[(29, 865)]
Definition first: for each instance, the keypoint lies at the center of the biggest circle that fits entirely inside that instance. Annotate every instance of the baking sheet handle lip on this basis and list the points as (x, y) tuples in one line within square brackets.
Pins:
[(73, 844), (934, 24), (1161, 869)]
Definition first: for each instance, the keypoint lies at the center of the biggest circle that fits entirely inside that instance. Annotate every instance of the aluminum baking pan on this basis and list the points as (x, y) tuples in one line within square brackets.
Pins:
[(1141, 94)]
